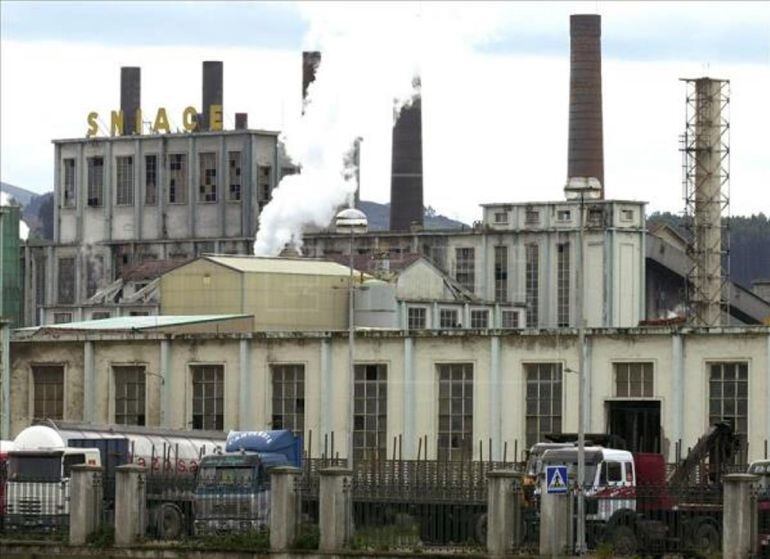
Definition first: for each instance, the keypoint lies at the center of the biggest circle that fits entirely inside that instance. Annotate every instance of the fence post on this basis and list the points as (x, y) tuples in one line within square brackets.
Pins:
[(85, 502), (555, 523), (284, 513), (335, 508), (503, 514), (740, 516), (130, 503)]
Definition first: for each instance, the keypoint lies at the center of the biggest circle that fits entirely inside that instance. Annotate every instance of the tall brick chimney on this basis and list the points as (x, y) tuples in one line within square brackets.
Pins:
[(586, 143), (406, 204), (213, 74), (130, 97)]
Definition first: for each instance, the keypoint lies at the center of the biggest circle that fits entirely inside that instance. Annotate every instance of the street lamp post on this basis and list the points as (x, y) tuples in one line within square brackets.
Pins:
[(581, 188), (351, 221)]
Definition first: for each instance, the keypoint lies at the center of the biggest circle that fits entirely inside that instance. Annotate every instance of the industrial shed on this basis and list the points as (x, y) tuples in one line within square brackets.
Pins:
[(281, 293)]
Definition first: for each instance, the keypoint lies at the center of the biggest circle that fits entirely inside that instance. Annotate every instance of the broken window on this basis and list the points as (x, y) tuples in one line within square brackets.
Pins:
[(289, 398), (40, 279), (150, 180), (264, 191), (66, 281), (532, 283), (69, 199), (207, 188), (129, 394), (501, 274), (562, 284), (729, 395), (48, 381), (465, 263), (95, 181), (234, 175), (95, 269), (208, 383), (177, 178), (124, 180)]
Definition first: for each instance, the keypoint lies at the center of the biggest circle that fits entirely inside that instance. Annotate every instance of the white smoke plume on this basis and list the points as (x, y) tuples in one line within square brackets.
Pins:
[(370, 55), (6, 200)]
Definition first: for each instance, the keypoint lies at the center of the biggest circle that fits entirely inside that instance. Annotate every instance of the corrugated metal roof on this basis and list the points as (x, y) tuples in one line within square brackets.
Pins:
[(136, 322), (302, 266)]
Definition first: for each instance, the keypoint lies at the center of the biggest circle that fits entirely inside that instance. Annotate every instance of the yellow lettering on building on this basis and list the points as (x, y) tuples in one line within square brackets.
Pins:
[(93, 128), (138, 122), (190, 119), (161, 121), (116, 123), (215, 117)]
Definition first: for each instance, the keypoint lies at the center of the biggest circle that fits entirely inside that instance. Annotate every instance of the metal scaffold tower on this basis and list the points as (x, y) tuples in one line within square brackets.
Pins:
[(706, 173)]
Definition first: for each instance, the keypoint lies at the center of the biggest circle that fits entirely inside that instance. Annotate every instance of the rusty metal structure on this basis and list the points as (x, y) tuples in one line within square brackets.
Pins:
[(406, 203), (586, 142), (705, 147)]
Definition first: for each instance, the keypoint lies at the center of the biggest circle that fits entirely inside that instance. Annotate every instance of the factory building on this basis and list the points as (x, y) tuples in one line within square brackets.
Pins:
[(147, 194), (657, 387)]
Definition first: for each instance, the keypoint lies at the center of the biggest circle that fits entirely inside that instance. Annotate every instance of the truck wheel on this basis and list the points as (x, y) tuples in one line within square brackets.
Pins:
[(480, 529), (705, 538), (623, 540), (169, 521)]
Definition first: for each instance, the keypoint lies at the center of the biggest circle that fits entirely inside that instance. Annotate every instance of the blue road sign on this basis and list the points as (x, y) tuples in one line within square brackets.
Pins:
[(556, 479)]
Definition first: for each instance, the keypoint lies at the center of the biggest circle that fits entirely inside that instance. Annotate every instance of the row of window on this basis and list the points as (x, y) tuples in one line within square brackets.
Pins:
[(728, 399), (176, 179), (594, 216), (449, 318)]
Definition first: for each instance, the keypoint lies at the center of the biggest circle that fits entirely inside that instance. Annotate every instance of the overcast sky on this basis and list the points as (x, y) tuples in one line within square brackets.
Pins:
[(495, 85)]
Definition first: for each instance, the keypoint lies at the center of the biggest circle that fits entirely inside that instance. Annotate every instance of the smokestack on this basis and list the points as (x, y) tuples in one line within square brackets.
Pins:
[(213, 72), (406, 207), (130, 97), (241, 121), (586, 144), (310, 62)]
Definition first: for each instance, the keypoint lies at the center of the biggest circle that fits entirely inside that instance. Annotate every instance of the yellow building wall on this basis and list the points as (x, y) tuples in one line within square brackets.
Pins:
[(201, 287)]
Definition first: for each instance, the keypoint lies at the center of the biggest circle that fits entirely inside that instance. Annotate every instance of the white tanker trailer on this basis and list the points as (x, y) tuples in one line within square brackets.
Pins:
[(43, 454)]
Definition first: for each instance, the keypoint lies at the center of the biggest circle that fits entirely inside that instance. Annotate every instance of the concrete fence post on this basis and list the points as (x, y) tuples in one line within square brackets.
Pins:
[(335, 508), (503, 512), (555, 523), (740, 516), (130, 504), (85, 502), (284, 507)]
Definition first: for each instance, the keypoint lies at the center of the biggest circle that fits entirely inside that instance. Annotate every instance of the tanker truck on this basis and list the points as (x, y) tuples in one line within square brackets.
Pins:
[(37, 470)]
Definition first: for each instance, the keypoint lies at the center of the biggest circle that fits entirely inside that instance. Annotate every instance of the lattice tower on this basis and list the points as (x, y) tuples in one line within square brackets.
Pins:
[(706, 173)]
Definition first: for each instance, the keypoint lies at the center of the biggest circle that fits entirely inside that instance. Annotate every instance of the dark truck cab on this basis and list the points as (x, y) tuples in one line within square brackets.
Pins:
[(232, 490)]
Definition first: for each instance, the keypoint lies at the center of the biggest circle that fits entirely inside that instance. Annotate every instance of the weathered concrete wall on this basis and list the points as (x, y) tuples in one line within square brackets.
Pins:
[(680, 364)]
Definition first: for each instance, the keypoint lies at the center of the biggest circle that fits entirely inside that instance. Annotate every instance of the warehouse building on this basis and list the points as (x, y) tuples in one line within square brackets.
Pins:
[(658, 388)]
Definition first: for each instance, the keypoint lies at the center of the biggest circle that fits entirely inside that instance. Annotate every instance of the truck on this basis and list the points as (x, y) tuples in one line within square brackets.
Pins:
[(761, 468), (37, 489), (232, 489), (633, 502)]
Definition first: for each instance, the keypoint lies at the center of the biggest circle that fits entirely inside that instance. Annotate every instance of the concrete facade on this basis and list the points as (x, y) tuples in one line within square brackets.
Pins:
[(614, 258), (679, 359), (104, 228)]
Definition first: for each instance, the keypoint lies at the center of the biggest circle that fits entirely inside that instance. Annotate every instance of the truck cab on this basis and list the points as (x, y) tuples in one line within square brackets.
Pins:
[(37, 486)]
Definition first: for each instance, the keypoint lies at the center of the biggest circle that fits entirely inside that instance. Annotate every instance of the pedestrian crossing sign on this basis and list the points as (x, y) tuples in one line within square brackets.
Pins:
[(556, 479)]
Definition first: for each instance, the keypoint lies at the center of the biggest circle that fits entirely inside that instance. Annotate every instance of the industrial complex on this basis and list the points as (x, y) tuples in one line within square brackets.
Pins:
[(147, 307)]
